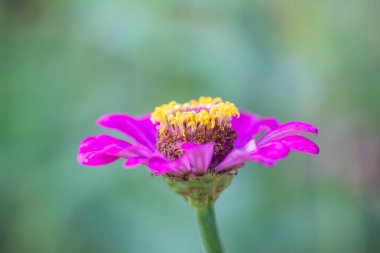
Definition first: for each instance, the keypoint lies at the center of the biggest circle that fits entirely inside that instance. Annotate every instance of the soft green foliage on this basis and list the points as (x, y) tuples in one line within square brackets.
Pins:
[(65, 63)]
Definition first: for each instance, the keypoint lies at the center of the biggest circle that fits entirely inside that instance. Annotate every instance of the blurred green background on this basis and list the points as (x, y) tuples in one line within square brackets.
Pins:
[(65, 63)]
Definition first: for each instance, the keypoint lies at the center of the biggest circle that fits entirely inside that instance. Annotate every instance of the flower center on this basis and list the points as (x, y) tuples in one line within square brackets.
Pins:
[(198, 121)]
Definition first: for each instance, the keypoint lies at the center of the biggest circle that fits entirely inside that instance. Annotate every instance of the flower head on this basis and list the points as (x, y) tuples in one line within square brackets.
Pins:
[(207, 120), (196, 138)]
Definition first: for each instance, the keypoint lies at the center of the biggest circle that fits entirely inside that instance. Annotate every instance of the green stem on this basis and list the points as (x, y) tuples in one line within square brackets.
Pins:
[(208, 229)]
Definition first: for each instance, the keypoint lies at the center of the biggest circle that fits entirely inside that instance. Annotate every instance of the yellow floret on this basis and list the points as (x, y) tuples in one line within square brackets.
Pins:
[(196, 113)]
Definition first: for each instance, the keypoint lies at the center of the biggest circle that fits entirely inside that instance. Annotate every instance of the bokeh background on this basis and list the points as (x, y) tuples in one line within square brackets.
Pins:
[(64, 63)]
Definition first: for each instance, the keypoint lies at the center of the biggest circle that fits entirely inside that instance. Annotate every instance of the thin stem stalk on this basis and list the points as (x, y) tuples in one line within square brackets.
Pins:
[(208, 229)]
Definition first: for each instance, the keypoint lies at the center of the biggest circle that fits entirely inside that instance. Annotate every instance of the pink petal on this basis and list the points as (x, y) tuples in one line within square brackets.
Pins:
[(99, 150), (104, 149), (197, 156), (135, 150), (300, 144), (248, 126), (237, 156), (288, 129), (159, 165), (195, 160), (134, 161), (142, 130), (270, 153)]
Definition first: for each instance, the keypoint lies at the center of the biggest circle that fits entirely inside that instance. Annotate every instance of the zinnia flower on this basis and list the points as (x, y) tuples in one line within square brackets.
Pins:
[(204, 136), (197, 147)]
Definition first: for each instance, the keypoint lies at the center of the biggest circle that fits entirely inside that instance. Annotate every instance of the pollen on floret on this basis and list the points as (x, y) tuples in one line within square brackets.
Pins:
[(204, 112), (198, 121)]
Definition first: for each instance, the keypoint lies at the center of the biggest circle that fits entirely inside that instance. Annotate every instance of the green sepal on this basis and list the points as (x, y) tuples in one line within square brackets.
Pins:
[(200, 191)]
